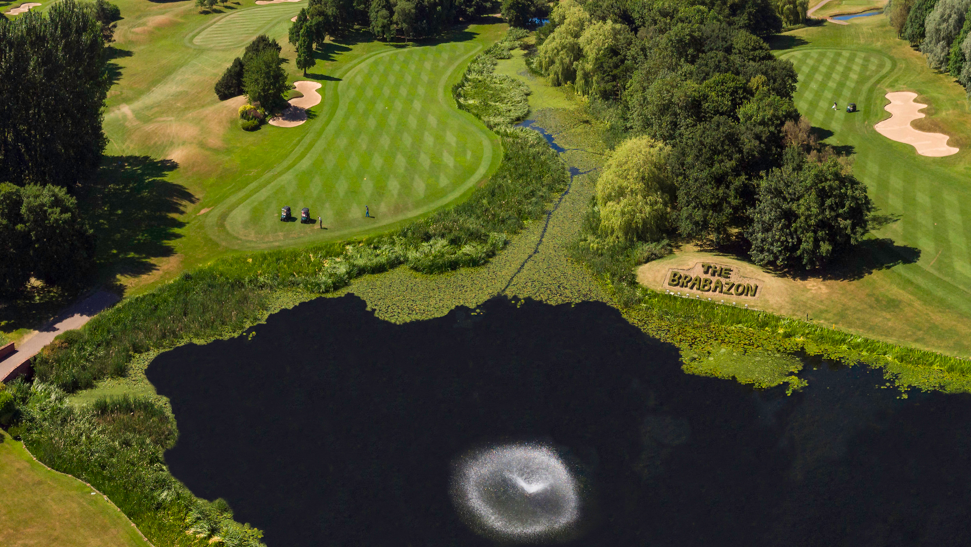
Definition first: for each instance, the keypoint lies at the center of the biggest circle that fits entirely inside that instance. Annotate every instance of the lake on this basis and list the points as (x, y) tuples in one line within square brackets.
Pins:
[(329, 426)]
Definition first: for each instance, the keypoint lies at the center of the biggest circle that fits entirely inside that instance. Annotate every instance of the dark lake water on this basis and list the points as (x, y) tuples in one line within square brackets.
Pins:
[(332, 427)]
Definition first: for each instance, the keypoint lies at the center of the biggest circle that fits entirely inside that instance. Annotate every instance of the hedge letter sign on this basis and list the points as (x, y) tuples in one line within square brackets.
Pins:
[(713, 279)]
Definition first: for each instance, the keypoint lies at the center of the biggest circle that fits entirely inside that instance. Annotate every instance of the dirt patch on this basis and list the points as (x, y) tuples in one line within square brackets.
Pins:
[(897, 127), (296, 113), (23, 8), (204, 211)]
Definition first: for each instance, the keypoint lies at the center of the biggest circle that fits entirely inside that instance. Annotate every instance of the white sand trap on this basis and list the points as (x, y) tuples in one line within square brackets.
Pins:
[(23, 8), (294, 20), (296, 113), (904, 110), (266, 2)]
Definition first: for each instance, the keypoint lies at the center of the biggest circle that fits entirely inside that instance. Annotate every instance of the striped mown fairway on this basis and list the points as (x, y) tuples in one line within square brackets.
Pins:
[(924, 204), (386, 138)]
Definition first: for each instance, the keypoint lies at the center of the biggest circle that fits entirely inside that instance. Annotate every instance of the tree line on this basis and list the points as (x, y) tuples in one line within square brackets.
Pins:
[(717, 151), (53, 85), (942, 31)]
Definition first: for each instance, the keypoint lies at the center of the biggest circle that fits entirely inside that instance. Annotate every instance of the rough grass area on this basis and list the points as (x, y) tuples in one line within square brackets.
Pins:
[(42, 508)]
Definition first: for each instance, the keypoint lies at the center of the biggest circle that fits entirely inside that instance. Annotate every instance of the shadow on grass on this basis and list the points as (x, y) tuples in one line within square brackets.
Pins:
[(322, 77), (113, 68), (858, 261), (330, 50), (867, 257), (782, 42), (131, 207)]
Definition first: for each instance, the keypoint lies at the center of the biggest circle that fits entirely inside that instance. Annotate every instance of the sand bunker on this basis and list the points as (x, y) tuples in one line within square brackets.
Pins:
[(265, 2), (296, 113), (904, 110), (294, 20), (23, 8)]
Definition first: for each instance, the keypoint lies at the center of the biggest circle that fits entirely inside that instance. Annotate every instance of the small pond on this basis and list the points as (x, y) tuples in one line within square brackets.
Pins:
[(328, 426), (855, 15)]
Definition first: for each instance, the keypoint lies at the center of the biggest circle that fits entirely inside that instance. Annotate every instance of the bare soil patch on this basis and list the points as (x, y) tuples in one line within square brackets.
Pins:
[(897, 127)]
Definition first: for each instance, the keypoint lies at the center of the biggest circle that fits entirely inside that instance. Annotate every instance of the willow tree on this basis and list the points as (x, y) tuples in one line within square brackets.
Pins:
[(560, 53), (635, 192), (602, 69)]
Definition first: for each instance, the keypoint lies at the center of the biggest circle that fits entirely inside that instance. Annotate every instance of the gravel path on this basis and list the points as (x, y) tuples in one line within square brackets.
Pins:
[(70, 319)]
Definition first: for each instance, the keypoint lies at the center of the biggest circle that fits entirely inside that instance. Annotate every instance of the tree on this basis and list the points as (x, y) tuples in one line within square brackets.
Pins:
[(635, 193), (761, 123), (380, 16), (53, 81), (807, 213), (264, 80), (106, 14), (914, 27), (62, 246), (293, 35), (897, 11), (714, 191), (305, 51), (560, 53), (519, 13), (14, 241), (327, 18), (42, 236), (956, 59), (231, 83), (206, 5), (260, 44), (405, 17), (792, 12), (603, 68), (941, 27)]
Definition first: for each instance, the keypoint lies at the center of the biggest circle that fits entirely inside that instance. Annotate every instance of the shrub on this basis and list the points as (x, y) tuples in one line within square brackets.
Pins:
[(249, 125), (231, 83)]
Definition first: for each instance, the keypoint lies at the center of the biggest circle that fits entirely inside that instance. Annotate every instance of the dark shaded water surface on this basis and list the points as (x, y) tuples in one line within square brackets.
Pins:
[(332, 427)]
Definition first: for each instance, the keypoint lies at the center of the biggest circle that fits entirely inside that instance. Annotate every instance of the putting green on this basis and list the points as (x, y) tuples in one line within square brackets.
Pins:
[(385, 137), (238, 28)]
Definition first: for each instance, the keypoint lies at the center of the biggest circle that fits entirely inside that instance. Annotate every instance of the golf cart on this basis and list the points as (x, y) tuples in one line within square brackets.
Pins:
[(305, 215), (850, 108), (285, 214)]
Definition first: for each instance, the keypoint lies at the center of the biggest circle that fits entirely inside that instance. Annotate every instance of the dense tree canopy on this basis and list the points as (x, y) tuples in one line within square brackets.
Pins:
[(792, 12), (916, 17), (264, 80), (54, 81), (42, 236), (559, 55), (231, 84), (807, 213), (941, 27)]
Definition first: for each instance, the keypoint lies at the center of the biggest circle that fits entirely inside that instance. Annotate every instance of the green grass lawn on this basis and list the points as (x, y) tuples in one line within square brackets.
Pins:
[(911, 283), (42, 508)]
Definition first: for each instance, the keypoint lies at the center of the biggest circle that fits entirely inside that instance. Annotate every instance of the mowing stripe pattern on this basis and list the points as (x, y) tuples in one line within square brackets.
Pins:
[(394, 144), (928, 203)]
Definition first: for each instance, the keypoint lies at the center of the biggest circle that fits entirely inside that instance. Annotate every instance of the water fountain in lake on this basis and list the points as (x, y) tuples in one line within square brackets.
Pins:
[(519, 492)]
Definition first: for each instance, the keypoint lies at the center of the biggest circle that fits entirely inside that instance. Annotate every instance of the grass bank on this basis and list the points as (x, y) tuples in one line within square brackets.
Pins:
[(40, 507)]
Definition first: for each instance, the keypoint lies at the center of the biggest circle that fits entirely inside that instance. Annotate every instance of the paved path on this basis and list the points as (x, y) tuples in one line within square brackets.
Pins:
[(70, 319), (813, 9)]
